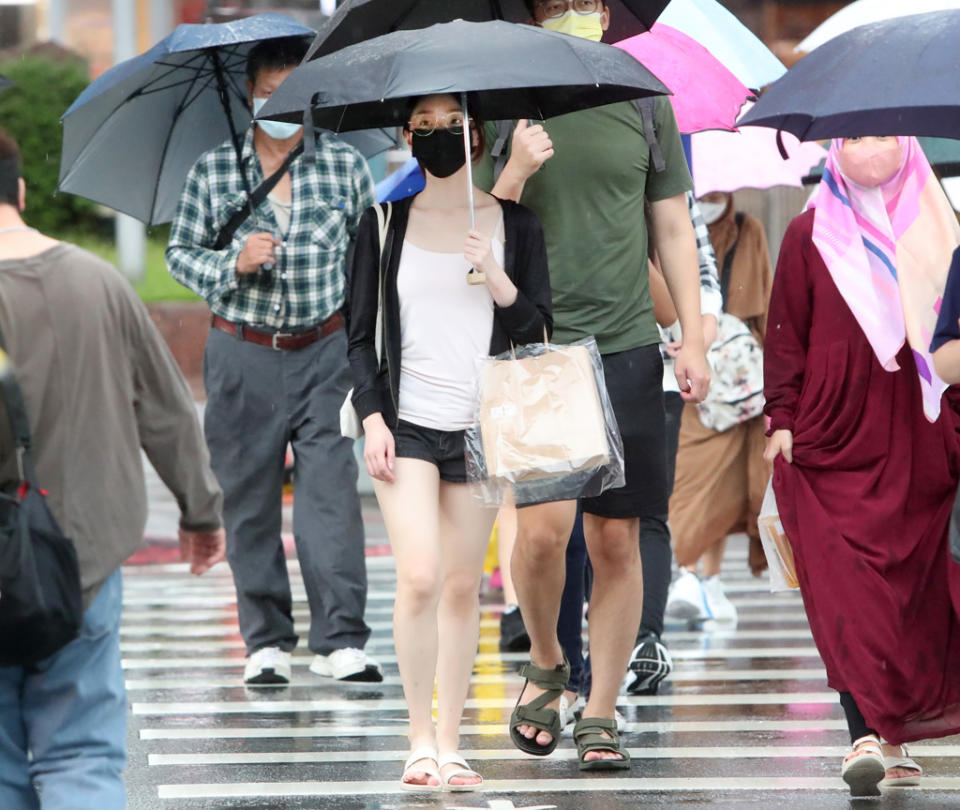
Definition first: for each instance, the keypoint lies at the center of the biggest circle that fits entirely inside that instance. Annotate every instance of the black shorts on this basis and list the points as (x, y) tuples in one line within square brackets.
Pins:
[(442, 448), (635, 385)]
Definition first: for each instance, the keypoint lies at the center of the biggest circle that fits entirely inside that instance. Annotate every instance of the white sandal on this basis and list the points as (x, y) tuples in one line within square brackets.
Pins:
[(901, 761), (423, 752), (863, 768), (465, 770)]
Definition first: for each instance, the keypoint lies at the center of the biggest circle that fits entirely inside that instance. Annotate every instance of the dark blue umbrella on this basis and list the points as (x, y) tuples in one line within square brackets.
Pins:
[(404, 182), (895, 77), (357, 20), (5, 83), (130, 138)]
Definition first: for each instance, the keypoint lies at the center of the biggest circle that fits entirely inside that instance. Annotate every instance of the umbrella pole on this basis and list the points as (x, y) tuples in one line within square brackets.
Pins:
[(224, 93), (474, 276)]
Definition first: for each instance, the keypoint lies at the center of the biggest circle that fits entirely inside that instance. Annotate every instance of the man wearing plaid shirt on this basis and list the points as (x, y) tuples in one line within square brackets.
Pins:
[(275, 371)]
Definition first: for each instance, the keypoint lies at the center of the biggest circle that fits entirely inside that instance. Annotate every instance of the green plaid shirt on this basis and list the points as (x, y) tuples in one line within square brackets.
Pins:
[(307, 284)]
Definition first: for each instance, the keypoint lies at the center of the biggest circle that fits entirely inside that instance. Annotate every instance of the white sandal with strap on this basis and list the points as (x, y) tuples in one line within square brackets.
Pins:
[(863, 768), (901, 761), (421, 753), (465, 770)]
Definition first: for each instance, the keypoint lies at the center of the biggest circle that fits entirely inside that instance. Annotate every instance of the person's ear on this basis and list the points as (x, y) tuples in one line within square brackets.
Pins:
[(605, 19), (250, 93), (408, 137), (21, 194)]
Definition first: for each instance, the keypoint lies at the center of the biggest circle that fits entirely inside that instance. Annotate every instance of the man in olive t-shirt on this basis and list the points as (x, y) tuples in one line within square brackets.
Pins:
[(587, 176)]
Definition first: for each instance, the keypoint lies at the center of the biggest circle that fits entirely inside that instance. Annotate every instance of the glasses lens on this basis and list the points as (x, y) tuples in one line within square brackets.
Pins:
[(552, 8), (423, 124), (586, 6)]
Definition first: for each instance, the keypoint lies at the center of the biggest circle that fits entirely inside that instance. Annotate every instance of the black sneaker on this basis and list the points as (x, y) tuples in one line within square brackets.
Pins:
[(513, 635), (650, 664)]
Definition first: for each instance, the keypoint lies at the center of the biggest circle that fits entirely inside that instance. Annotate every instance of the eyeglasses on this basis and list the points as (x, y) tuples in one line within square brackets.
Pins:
[(547, 9), (425, 124)]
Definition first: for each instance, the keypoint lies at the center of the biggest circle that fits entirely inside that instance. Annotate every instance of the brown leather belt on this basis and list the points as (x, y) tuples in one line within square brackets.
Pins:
[(282, 341)]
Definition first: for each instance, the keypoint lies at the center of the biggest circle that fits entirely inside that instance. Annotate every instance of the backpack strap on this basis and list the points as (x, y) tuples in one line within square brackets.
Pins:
[(728, 261), (647, 109), (17, 415), (499, 150)]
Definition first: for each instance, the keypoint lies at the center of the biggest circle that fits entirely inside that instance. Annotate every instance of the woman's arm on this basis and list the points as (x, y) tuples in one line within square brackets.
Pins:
[(788, 327), (531, 313), (364, 299)]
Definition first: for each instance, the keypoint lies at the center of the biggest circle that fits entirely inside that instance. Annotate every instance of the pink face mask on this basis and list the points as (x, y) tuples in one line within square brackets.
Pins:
[(872, 163)]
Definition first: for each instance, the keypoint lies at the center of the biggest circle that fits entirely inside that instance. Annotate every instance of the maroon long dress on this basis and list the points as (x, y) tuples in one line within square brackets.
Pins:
[(865, 504)]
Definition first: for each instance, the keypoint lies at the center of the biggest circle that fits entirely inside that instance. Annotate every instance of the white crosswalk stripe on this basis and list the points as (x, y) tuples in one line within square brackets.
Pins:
[(746, 711)]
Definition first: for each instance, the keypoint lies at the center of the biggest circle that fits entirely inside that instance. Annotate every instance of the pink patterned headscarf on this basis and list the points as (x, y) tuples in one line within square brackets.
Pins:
[(888, 250)]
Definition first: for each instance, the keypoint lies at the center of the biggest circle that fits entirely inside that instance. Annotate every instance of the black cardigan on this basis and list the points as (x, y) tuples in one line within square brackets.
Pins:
[(376, 386)]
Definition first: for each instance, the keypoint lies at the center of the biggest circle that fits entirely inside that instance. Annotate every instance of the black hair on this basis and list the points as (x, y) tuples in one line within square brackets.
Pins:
[(9, 170), (275, 54), (479, 128)]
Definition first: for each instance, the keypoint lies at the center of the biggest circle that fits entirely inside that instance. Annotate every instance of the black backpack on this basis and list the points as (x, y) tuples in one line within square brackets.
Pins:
[(41, 605), (644, 106)]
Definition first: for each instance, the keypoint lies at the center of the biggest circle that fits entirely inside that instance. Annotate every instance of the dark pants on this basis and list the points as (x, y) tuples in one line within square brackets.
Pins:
[(258, 401), (657, 560)]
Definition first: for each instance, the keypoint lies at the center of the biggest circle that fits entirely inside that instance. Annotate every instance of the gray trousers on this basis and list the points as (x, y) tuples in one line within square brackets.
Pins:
[(258, 400)]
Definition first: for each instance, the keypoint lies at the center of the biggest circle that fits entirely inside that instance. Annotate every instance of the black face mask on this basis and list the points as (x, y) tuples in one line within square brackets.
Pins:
[(440, 153)]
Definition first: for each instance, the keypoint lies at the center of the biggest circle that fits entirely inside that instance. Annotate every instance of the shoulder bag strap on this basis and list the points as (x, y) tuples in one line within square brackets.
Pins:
[(383, 227), (16, 414), (728, 261), (648, 115), (256, 198)]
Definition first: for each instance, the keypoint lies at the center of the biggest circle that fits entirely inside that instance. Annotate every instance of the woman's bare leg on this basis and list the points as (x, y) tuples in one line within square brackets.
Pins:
[(465, 525), (411, 509)]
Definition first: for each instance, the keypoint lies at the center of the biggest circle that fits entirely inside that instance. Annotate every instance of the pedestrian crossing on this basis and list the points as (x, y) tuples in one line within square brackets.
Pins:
[(745, 720)]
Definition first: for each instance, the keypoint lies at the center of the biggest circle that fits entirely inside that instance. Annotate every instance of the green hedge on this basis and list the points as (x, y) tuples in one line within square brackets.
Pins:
[(31, 112)]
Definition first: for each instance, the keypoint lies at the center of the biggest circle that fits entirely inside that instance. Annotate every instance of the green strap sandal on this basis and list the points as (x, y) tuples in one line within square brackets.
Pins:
[(589, 734), (535, 713)]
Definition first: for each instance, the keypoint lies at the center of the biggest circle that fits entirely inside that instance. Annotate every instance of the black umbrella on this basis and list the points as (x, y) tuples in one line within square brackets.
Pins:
[(357, 20), (895, 77), (513, 71), (131, 137)]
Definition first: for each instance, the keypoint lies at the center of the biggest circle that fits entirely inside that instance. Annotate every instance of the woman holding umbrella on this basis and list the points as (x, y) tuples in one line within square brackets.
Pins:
[(865, 447), (417, 399)]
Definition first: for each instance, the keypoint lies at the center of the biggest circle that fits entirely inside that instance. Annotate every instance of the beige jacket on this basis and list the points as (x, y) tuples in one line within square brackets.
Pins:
[(99, 384)]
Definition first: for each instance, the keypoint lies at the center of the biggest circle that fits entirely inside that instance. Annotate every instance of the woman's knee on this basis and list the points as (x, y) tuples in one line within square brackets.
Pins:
[(418, 589), (462, 586)]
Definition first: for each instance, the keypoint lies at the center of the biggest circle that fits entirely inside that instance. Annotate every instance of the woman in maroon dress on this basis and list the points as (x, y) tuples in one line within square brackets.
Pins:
[(866, 464)]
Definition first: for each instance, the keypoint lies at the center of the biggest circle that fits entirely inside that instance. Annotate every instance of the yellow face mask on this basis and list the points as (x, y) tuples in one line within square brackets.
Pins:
[(585, 26)]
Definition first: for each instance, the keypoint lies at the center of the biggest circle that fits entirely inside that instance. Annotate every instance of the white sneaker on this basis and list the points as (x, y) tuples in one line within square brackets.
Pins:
[(268, 665), (686, 598), (721, 608), (347, 664)]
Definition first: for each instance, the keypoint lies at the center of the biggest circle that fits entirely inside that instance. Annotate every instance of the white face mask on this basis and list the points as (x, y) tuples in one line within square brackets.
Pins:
[(711, 211), (274, 129)]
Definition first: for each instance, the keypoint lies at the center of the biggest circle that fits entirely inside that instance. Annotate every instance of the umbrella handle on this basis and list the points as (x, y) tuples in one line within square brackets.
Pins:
[(473, 276)]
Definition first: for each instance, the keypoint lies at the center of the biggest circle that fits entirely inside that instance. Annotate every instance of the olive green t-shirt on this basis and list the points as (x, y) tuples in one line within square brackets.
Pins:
[(590, 200)]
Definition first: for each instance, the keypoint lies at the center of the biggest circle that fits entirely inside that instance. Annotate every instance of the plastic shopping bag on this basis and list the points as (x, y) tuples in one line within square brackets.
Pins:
[(783, 570), (544, 428)]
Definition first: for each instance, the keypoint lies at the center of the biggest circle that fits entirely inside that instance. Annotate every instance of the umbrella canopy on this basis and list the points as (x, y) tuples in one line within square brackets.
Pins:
[(515, 71), (897, 77), (5, 83), (728, 39), (705, 94), (132, 136), (749, 158), (942, 153), (357, 20), (863, 12)]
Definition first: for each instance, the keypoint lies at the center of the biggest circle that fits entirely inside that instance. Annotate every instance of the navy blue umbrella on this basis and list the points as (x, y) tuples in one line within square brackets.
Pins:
[(357, 20), (132, 136), (896, 77)]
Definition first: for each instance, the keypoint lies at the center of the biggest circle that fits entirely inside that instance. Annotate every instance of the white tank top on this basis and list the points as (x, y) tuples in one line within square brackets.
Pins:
[(445, 326)]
